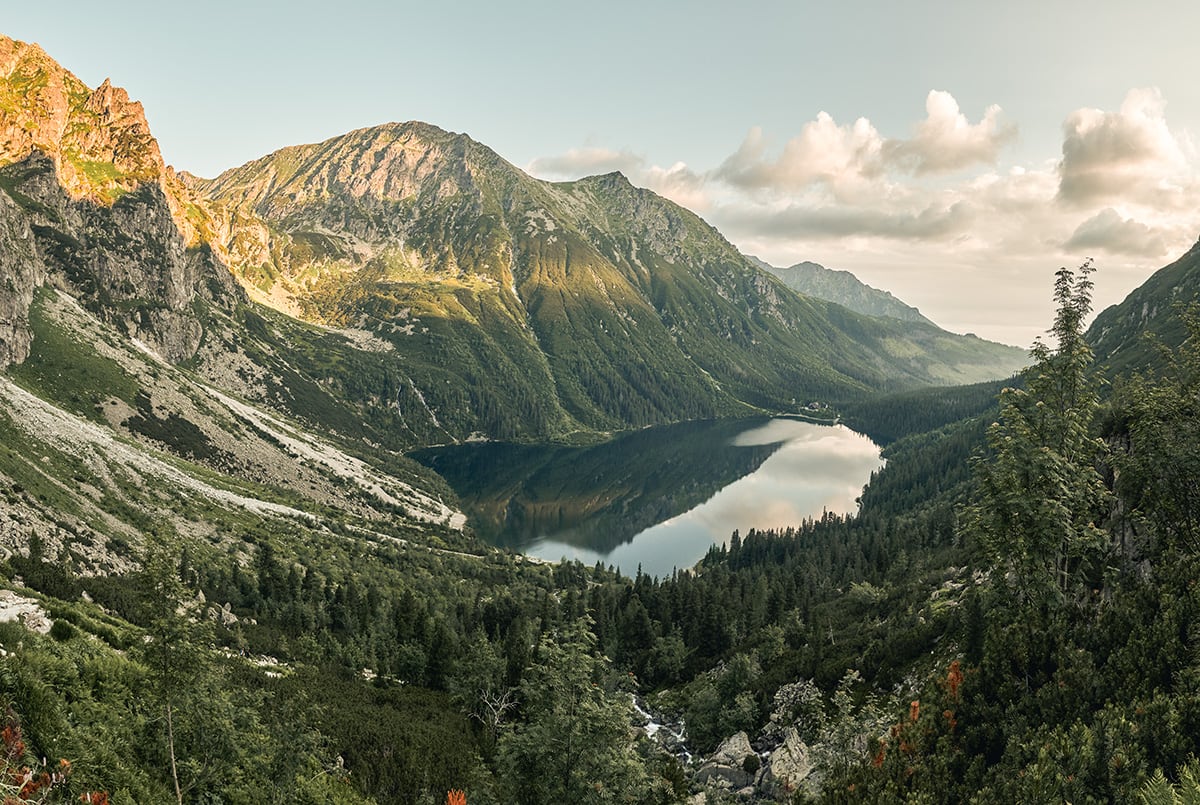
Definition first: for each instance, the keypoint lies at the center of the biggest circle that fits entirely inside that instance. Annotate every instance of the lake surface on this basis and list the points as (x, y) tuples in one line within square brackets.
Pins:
[(659, 497)]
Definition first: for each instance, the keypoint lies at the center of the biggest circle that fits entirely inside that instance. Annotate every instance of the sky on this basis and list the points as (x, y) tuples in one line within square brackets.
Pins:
[(953, 153)]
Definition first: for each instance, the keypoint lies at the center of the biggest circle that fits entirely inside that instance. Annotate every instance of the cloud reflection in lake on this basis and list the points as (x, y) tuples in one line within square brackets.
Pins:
[(817, 468)]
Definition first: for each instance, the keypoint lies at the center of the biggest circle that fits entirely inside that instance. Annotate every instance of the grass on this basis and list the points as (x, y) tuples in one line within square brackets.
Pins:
[(63, 369)]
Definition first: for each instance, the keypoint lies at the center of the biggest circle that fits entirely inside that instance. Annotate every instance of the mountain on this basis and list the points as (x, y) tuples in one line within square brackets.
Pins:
[(588, 305), (843, 288), (141, 388), (280, 334), (1118, 335), (88, 201)]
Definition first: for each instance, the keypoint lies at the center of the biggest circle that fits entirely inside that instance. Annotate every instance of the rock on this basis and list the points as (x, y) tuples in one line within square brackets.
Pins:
[(733, 750), (23, 273), (126, 261), (725, 767), (25, 611), (723, 775), (37, 621), (790, 765)]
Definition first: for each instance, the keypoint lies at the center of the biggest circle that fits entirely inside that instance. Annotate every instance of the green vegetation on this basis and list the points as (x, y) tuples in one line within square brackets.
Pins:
[(522, 310), (63, 368), (235, 620), (1019, 631)]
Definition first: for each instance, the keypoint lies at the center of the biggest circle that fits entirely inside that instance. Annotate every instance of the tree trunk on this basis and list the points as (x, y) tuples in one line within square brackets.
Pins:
[(171, 748)]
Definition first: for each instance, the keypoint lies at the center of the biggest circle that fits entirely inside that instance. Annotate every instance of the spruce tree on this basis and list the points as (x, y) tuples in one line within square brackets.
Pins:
[(1039, 493)]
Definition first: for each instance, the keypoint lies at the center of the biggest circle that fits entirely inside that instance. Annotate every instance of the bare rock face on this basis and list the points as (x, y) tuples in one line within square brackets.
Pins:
[(21, 273), (87, 204), (790, 765), (25, 611), (726, 767), (126, 261), (99, 139)]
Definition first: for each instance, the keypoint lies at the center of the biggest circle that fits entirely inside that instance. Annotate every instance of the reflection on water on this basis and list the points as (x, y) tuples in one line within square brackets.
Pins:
[(658, 498)]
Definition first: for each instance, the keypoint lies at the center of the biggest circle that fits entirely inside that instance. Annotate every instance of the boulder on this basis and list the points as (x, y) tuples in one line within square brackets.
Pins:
[(724, 768), (733, 750), (790, 765)]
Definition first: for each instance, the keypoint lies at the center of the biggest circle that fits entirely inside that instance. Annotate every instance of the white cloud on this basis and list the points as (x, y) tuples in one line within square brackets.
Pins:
[(844, 158), (1109, 231), (838, 157), (680, 184), (578, 162), (945, 141), (939, 219), (798, 221), (1128, 155)]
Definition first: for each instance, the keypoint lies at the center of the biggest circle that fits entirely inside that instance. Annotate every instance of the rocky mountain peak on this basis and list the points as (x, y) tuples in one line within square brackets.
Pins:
[(99, 139), (389, 162)]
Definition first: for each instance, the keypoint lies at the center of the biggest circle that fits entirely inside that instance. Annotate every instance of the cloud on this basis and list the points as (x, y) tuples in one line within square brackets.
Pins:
[(847, 158), (680, 184), (579, 162), (946, 142), (823, 152), (797, 221), (1109, 231), (1129, 154)]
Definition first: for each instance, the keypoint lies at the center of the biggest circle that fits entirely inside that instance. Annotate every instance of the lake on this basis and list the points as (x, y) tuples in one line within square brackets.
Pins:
[(658, 497)]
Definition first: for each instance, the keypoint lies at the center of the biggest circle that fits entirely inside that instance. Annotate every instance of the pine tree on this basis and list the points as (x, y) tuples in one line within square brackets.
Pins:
[(574, 742), (1038, 490)]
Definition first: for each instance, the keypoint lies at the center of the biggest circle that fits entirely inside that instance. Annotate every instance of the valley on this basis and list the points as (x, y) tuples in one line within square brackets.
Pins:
[(289, 458)]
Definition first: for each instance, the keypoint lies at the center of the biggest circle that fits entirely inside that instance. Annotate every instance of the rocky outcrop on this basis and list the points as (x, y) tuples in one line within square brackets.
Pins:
[(731, 765), (22, 273), (98, 139), (25, 611), (88, 205), (127, 262), (789, 766)]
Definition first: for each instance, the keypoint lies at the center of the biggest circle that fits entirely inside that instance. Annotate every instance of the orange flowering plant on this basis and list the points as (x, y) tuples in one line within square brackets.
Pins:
[(25, 783)]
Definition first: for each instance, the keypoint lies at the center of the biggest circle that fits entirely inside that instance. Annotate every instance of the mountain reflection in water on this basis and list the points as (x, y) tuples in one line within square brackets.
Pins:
[(658, 497)]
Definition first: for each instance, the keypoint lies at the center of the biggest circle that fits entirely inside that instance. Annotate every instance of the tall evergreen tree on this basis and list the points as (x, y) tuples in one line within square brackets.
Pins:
[(1039, 491), (574, 743)]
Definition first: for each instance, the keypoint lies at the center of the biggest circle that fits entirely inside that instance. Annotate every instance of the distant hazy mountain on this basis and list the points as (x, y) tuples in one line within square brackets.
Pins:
[(845, 289)]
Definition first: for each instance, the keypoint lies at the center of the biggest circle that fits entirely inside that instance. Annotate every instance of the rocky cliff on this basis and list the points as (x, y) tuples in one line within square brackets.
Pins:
[(22, 273), (89, 206)]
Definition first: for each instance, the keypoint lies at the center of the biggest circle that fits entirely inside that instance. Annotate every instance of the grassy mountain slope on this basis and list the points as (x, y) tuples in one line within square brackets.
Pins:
[(597, 304), (1118, 335), (106, 443)]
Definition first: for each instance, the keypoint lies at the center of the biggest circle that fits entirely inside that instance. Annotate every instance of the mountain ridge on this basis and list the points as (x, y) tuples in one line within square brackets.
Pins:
[(471, 299), (845, 289), (1119, 335), (407, 208)]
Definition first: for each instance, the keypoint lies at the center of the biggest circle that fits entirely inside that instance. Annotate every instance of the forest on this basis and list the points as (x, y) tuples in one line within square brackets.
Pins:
[(1012, 615)]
